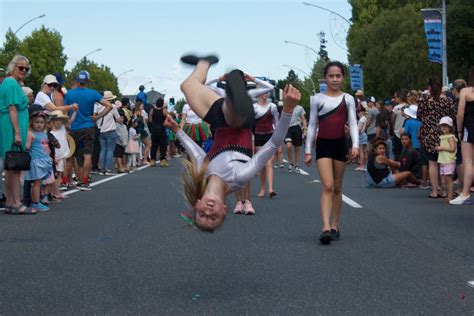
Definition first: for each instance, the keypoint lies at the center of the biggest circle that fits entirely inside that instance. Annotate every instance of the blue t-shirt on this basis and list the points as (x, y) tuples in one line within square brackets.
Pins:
[(141, 96), (412, 126), (85, 98)]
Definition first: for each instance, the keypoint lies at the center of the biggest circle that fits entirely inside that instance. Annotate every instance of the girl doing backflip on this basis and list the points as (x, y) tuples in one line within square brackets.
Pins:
[(229, 165), (330, 111)]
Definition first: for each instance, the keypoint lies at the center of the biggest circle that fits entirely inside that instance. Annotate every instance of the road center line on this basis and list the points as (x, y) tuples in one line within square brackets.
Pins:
[(345, 198), (93, 184)]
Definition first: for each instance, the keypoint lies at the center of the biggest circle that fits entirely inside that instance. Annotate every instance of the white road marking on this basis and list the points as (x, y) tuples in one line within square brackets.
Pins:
[(350, 202), (93, 184), (345, 198)]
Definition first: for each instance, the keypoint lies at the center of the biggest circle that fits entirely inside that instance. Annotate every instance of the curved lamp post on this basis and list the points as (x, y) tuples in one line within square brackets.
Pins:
[(35, 18)]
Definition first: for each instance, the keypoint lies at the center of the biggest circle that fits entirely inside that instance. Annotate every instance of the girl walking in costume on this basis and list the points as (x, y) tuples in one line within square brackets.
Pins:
[(331, 110)]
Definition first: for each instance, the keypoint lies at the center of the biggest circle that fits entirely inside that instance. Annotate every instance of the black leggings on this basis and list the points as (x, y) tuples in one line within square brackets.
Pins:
[(159, 138)]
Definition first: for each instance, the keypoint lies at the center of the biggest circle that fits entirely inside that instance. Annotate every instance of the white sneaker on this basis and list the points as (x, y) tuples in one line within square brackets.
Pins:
[(275, 166), (282, 165), (460, 200), (297, 169), (290, 168)]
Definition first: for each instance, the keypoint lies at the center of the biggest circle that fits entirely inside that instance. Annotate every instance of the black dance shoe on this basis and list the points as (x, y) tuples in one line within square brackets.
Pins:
[(325, 238), (193, 59)]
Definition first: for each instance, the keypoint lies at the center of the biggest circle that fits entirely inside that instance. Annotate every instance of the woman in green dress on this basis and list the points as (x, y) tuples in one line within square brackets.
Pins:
[(14, 128)]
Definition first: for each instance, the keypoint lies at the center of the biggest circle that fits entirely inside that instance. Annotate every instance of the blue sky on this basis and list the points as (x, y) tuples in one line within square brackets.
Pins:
[(150, 36)]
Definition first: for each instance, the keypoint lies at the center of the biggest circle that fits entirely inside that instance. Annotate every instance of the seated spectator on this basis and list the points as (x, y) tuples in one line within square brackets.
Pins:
[(410, 158), (379, 169)]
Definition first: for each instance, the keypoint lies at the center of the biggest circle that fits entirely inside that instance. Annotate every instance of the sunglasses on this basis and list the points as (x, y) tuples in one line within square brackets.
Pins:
[(21, 68), (54, 85)]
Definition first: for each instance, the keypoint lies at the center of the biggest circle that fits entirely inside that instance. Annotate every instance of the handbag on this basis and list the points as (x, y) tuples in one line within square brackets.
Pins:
[(17, 159)]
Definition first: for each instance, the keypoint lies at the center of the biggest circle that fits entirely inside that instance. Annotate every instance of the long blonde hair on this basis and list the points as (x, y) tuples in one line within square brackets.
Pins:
[(194, 180)]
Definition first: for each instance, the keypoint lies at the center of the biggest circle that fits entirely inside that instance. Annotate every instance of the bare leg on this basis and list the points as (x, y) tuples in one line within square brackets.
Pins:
[(289, 153), (467, 154), (338, 168), (403, 176), (200, 97), (35, 191), (263, 175), (433, 171), (297, 156), (246, 192), (9, 188), (448, 180), (325, 168), (269, 174), (86, 170)]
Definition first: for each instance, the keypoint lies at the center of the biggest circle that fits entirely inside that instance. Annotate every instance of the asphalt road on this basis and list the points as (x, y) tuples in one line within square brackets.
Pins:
[(122, 249)]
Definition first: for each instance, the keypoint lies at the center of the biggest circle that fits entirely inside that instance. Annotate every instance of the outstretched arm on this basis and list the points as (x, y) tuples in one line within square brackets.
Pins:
[(262, 88)]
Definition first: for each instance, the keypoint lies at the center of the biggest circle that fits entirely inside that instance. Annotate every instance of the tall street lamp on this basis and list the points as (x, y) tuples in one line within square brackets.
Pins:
[(38, 17), (304, 72), (305, 46), (92, 52), (325, 9), (125, 72)]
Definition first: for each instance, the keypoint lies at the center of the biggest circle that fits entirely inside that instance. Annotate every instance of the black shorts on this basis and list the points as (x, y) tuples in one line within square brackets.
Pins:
[(335, 149), (261, 139), (294, 135), (119, 151), (85, 137), (468, 134), (215, 117), (427, 156)]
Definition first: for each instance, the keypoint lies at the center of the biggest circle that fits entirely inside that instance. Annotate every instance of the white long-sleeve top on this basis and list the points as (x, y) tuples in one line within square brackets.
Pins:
[(262, 88), (261, 110), (235, 168), (322, 104)]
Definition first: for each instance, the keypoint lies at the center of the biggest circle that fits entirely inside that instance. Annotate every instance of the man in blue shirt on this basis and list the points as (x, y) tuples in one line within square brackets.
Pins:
[(412, 125), (83, 127), (141, 96)]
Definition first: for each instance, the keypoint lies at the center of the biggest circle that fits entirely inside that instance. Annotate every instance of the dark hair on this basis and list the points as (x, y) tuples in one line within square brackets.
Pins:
[(160, 102), (335, 64), (125, 101), (406, 135), (402, 94), (435, 87), (376, 143), (470, 81)]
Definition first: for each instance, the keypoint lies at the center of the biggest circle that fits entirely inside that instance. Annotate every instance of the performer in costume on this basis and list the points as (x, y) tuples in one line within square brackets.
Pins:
[(331, 110), (193, 125), (266, 117), (227, 167), (244, 205)]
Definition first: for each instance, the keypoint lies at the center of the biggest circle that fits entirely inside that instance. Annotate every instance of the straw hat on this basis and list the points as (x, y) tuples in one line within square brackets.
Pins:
[(72, 146), (109, 96), (57, 114)]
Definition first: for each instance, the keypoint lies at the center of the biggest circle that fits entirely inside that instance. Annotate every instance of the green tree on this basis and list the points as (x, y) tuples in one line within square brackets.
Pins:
[(44, 49), (179, 105), (460, 40), (392, 51), (10, 48), (101, 77)]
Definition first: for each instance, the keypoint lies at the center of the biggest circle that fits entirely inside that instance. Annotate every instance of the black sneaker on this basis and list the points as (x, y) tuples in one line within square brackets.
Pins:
[(335, 235), (236, 91), (193, 59), (325, 238), (84, 186)]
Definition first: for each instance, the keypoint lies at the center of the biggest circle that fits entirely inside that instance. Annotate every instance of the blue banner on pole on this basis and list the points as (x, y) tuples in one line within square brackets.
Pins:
[(323, 86), (434, 34), (357, 77)]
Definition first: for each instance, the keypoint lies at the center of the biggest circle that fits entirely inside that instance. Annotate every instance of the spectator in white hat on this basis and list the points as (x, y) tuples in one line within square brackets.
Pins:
[(43, 98)]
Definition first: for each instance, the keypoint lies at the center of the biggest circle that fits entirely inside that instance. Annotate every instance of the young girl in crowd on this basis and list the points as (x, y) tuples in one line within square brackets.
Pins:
[(58, 130), (447, 154), (133, 148), (41, 165), (122, 142), (379, 169), (362, 139), (229, 165)]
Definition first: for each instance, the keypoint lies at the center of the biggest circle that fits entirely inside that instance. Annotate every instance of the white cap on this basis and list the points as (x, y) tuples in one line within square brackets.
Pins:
[(50, 79)]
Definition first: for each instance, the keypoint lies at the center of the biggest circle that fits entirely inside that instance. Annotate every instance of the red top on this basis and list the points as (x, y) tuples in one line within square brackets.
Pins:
[(231, 139), (264, 124), (331, 124)]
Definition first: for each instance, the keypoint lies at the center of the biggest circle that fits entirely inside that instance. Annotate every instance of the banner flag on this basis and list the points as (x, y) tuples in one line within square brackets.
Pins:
[(434, 34), (357, 77)]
